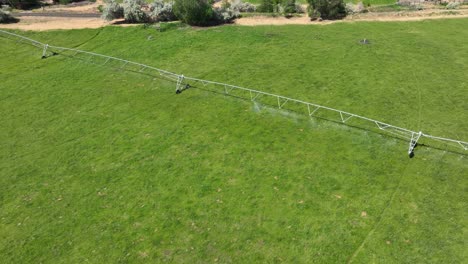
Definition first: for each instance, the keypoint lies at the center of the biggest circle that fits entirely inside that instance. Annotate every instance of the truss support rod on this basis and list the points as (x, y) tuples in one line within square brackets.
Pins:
[(381, 126), (255, 97), (463, 145), (106, 61), (344, 119), (280, 105), (312, 112), (125, 64)]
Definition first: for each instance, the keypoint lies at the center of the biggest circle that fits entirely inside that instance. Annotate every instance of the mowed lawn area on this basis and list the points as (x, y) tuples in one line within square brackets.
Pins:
[(103, 165)]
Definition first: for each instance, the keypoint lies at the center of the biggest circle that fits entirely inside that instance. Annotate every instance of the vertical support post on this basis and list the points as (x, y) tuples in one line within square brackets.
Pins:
[(44, 51), (180, 79), (413, 142)]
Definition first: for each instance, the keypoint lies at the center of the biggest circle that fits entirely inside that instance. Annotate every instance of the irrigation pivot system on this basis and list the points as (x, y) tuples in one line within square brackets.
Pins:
[(282, 102)]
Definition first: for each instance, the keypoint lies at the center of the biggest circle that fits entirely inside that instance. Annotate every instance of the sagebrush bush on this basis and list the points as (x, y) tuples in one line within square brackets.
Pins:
[(355, 8), (349, 8), (133, 12), (416, 7), (162, 11), (6, 8), (243, 6), (326, 9), (299, 8), (226, 14), (453, 5), (194, 12), (5, 15), (112, 10)]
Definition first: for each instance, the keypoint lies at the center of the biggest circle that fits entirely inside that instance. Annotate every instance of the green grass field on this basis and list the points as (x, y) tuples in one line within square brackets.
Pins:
[(102, 165)]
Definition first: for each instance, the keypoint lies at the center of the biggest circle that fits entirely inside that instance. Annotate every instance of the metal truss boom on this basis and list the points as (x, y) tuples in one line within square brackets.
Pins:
[(282, 101)]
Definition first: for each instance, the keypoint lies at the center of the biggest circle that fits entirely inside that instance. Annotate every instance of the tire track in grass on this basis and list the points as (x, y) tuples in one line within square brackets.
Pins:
[(380, 217), (420, 105), (88, 40), (371, 232)]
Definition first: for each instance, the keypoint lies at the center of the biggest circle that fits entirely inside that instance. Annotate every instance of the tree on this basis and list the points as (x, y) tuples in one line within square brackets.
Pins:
[(194, 12), (326, 9)]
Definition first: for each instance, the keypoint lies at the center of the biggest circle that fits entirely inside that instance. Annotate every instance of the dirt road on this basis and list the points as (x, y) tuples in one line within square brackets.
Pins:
[(86, 16)]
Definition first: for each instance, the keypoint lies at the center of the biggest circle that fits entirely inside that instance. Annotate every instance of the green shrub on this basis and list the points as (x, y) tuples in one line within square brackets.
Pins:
[(280, 6), (289, 6), (112, 10), (326, 9), (266, 6), (162, 11), (65, 2), (100, 8), (23, 4), (194, 12)]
